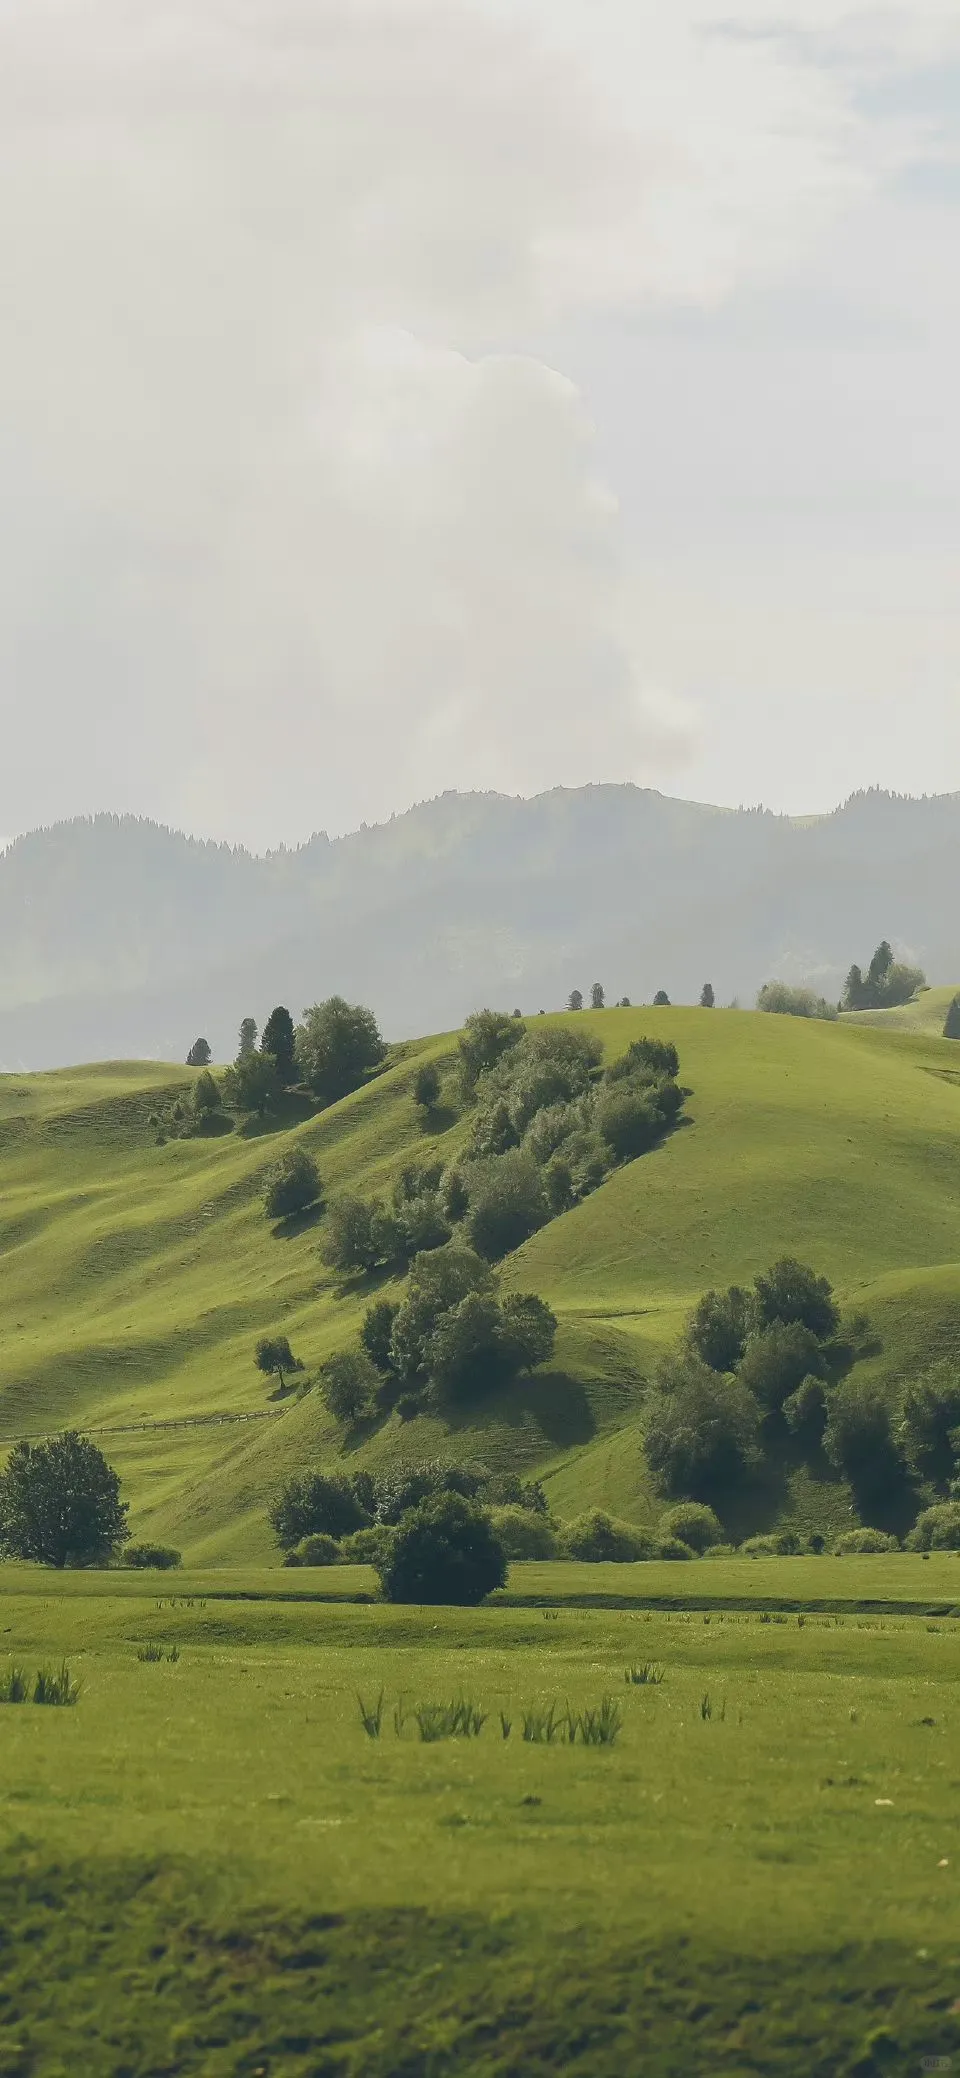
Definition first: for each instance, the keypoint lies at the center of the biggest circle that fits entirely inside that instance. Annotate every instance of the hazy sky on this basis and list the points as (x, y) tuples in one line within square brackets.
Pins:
[(402, 394)]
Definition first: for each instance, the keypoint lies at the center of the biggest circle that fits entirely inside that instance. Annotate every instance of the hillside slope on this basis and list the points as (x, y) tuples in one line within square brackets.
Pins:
[(136, 1278), (119, 937)]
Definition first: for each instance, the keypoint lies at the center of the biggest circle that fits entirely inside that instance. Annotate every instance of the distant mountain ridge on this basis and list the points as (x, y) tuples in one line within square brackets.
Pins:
[(119, 937)]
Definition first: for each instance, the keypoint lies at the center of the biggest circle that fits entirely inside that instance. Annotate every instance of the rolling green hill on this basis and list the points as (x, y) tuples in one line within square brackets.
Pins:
[(136, 1277)]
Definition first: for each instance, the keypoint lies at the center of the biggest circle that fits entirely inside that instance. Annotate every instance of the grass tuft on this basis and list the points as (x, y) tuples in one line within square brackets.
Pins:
[(55, 1686), (371, 1715)]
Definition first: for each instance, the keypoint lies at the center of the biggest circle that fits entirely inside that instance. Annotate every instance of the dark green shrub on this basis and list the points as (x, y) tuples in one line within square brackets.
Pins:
[(336, 1045), (486, 1037), (674, 1548), (776, 1361), (859, 1541), (317, 1550), (930, 1424), (937, 1529), (719, 1325), (349, 1240), (366, 1547), (444, 1551), (805, 1412), (859, 1440), (694, 1524), (310, 1503), (507, 1203), (529, 1330), (408, 1406), (652, 1060), (701, 1433), (159, 1557), (421, 1224), (349, 1382), (292, 1184), (376, 1331), (598, 1538), (426, 1086), (789, 1291), (523, 1534), (629, 1120)]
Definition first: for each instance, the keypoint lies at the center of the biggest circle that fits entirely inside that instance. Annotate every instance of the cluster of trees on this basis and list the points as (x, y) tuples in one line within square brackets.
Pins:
[(548, 1125), (886, 983), (758, 1365), (338, 1505), (330, 1052), (453, 1337), (787, 1001)]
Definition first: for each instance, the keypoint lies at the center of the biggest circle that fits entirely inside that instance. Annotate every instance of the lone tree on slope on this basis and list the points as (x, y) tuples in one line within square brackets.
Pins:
[(575, 999), (199, 1055), (596, 996), (707, 997), (273, 1356)]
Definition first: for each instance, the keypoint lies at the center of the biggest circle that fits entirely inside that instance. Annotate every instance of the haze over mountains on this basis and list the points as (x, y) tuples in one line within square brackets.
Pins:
[(121, 938)]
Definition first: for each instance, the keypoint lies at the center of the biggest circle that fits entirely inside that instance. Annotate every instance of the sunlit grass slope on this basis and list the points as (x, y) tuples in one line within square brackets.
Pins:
[(926, 1014), (134, 1279)]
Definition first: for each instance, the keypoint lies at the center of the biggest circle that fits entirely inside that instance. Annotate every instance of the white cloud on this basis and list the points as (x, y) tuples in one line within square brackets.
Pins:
[(295, 532)]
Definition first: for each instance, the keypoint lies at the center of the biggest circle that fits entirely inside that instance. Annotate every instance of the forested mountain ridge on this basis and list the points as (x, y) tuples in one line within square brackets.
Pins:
[(120, 937)]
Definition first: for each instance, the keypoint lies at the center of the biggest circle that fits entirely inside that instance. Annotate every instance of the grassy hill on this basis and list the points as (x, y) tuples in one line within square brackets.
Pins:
[(136, 1277)]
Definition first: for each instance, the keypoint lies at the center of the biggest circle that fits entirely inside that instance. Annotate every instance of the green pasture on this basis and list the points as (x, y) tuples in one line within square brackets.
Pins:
[(207, 1866), (136, 1278)]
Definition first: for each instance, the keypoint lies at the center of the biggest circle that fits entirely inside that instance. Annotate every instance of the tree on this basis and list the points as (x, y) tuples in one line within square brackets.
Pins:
[(930, 1424), (349, 1382), (445, 1551), (693, 1523), (596, 996), (951, 1029), (467, 1353), (776, 1360), (426, 1086), (350, 1241), (273, 1356), (487, 1035), (629, 1119), (701, 1435), (878, 971), (784, 1001), (60, 1503), (376, 1331), (206, 1096), (254, 1082), (719, 1326), (937, 1529), (805, 1412), (791, 1291), (278, 1038), (707, 997), (507, 1203), (859, 1440), (597, 1538), (854, 994), (337, 1045), (292, 1184), (661, 1000), (311, 1503), (199, 1055), (438, 1282), (530, 1329), (248, 1037), (575, 999)]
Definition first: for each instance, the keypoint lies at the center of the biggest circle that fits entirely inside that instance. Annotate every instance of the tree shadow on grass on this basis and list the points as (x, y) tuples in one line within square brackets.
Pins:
[(362, 1284), (298, 1222), (212, 1126), (438, 1119), (557, 1403), (292, 1109)]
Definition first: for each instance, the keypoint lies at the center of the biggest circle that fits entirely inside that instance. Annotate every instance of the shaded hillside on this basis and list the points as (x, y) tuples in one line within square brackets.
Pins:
[(123, 939), (136, 1278)]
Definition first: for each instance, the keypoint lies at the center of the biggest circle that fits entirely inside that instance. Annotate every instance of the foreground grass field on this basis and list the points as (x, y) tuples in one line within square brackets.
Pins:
[(208, 1867), (136, 1277)]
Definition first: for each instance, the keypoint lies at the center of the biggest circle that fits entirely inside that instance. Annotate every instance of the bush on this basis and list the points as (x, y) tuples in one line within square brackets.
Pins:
[(759, 1547), (859, 1541), (60, 1503), (719, 1325), (487, 1035), (805, 1412), (776, 1361), (597, 1538), (349, 1241), (529, 1329), (790, 1291), (778, 996), (859, 1440), (694, 1524), (647, 1059), (310, 1503), (630, 1120), (408, 1406), (349, 1382), (426, 1086), (507, 1203), (701, 1434), (367, 1547), (317, 1550), (376, 1332), (292, 1185), (951, 1028), (937, 1529), (444, 1551), (155, 1557), (674, 1548), (930, 1424), (523, 1534), (206, 1096)]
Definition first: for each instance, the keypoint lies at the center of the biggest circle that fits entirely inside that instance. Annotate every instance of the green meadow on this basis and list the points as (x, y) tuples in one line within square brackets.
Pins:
[(137, 1277), (208, 1866)]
